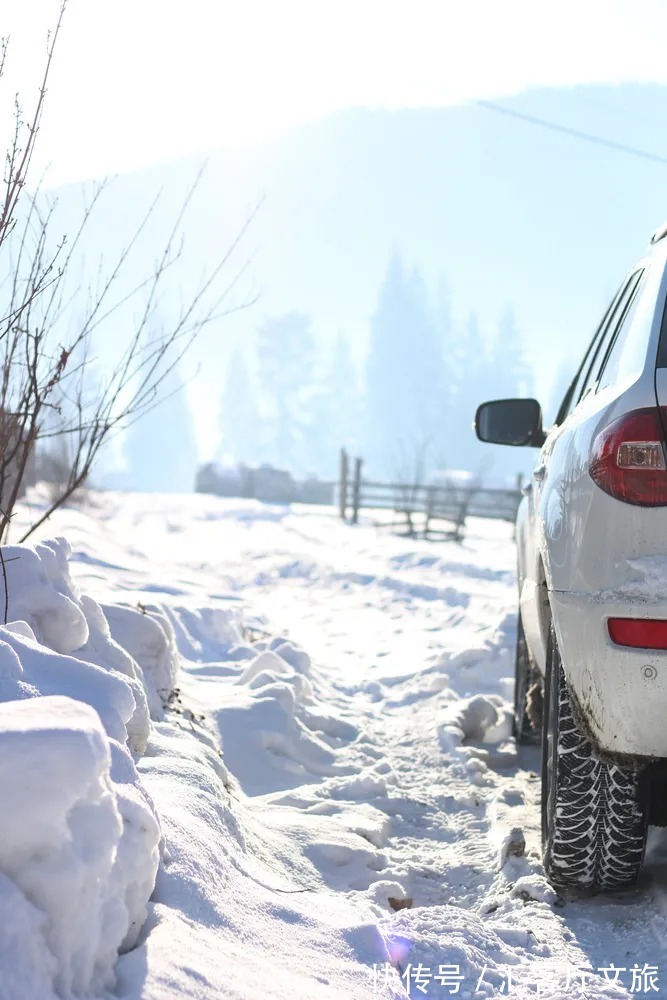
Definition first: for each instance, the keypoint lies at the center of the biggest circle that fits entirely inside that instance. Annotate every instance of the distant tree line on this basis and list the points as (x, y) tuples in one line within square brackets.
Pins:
[(407, 407)]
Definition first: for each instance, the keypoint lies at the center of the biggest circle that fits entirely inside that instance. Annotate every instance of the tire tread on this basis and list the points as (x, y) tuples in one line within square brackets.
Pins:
[(598, 831)]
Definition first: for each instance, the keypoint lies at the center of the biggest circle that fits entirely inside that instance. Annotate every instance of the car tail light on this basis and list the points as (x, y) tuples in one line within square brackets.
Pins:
[(642, 633), (628, 460)]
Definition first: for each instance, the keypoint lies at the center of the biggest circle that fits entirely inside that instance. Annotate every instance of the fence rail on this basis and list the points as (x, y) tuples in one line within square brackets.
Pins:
[(422, 508)]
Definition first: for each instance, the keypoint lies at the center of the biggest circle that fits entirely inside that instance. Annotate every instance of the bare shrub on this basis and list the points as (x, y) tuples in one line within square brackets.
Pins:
[(43, 387)]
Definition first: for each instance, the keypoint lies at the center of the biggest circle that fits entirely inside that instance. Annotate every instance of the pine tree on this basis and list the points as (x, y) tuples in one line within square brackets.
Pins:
[(160, 447), (453, 366), (556, 393), (388, 360), (334, 410), (286, 356), (499, 371), (428, 373), (514, 375), (240, 421), (347, 409), (404, 370), (478, 384)]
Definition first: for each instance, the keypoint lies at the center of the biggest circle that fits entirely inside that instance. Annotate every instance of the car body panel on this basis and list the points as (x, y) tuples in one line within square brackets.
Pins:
[(584, 556), (620, 693)]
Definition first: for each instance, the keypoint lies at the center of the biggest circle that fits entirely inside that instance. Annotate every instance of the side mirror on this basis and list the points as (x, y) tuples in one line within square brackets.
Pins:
[(510, 421)]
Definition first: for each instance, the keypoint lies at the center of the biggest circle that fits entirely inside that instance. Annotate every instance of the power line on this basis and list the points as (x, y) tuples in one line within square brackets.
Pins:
[(572, 132)]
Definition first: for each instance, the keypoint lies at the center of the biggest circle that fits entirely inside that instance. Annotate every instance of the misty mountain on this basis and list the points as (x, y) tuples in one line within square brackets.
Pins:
[(498, 212)]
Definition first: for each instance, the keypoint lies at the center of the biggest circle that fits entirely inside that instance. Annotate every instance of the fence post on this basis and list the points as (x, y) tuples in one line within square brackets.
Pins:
[(356, 490), (428, 508), (342, 484)]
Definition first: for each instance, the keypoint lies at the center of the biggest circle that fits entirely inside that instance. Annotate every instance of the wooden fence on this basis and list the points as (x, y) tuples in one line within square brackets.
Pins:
[(423, 509)]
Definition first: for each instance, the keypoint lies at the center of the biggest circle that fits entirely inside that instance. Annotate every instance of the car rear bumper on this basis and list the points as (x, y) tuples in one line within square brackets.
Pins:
[(621, 692)]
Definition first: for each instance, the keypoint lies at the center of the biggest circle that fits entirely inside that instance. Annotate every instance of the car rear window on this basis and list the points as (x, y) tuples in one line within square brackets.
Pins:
[(661, 361), (626, 357)]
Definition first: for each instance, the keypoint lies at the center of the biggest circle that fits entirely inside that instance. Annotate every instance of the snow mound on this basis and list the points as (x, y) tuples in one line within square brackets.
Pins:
[(271, 670), (275, 734), (475, 952), (534, 887), (147, 635), (28, 965), (13, 685), (51, 673), (138, 852), (266, 745), (387, 889), (80, 841), (292, 653), (42, 594), (206, 633), (66, 834), (481, 719), (480, 667), (104, 651), (48, 619)]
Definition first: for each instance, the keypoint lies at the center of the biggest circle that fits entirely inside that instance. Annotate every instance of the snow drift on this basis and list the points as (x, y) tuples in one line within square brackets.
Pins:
[(79, 836)]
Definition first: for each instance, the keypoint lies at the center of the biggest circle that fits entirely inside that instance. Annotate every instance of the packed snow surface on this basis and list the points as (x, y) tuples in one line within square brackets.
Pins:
[(250, 751)]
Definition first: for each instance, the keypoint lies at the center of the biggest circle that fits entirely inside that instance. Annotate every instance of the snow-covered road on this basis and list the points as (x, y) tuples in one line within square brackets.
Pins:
[(380, 836)]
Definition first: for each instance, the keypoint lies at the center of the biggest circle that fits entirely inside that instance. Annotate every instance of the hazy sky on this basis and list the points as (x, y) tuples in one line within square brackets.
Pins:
[(139, 81)]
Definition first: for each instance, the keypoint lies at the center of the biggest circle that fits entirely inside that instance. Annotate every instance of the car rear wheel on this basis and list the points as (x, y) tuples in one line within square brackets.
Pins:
[(593, 817), (522, 727)]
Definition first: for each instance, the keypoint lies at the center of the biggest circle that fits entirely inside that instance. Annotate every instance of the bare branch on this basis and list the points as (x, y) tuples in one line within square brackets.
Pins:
[(46, 400)]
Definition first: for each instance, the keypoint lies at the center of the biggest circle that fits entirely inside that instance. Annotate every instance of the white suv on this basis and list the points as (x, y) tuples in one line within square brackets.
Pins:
[(591, 662)]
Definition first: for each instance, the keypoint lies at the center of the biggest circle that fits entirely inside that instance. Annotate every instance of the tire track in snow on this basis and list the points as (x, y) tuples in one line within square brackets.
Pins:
[(453, 798)]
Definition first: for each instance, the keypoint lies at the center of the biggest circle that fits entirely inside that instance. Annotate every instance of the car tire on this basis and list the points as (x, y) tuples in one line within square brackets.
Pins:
[(522, 727), (593, 818)]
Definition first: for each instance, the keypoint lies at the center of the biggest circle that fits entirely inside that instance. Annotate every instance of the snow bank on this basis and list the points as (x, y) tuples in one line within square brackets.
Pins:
[(42, 594), (62, 859), (139, 848), (57, 618), (79, 835), (28, 965), (148, 636), (104, 651), (49, 673)]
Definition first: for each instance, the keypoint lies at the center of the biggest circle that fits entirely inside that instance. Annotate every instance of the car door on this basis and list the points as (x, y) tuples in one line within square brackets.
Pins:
[(545, 505)]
